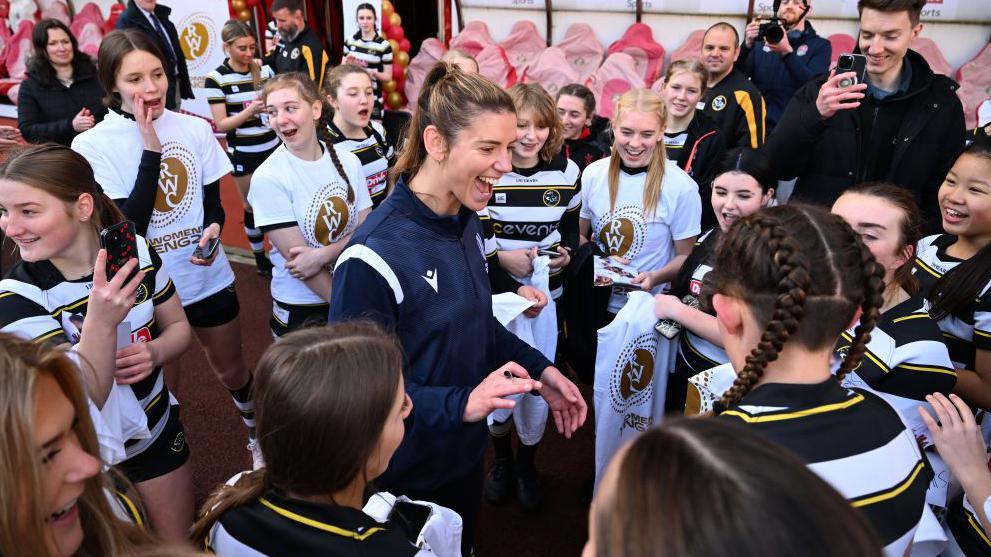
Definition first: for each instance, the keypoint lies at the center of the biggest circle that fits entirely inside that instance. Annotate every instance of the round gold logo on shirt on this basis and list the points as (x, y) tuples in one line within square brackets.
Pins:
[(631, 381), (637, 373), (617, 236), (197, 35), (622, 232), (332, 220), (173, 181), (178, 177)]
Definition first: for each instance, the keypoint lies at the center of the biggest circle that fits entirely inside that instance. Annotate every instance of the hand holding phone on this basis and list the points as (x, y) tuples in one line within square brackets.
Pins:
[(207, 252), (851, 63), (553, 254), (120, 242), (845, 87)]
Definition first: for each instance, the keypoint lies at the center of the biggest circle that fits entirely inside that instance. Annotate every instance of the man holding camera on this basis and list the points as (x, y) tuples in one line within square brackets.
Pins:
[(783, 54), (731, 100), (904, 124)]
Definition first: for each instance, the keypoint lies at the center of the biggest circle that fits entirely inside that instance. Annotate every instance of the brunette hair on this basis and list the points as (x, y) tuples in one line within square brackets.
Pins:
[(450, 101), (322, 398), (956, 289), (533, 97), (332, 81), (910, 225), (692, 66), (40, 65), (648, 102), (581, 92), (371, 8), (750, 162), (913, 7), (233, 30), (790, 261), (23, 533), (723, 25), (458, 54), (307, 91), (291, 5), (113, 48), (697, 487), (64, 174)]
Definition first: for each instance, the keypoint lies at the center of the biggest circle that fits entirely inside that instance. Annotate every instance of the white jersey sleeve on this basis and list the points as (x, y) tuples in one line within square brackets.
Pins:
[(686, 214), (355, 177), (270, 198), (215, 162), (90, 145)]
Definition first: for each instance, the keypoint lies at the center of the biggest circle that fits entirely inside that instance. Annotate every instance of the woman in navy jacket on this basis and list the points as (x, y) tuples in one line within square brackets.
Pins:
[(61, 96), (417, 266)]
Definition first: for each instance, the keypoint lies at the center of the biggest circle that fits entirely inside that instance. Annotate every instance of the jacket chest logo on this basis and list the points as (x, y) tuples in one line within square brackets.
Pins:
[(719, 103)]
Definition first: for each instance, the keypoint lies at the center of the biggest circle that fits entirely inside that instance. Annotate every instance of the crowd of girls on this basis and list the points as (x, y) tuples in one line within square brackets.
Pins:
[(857, 347)]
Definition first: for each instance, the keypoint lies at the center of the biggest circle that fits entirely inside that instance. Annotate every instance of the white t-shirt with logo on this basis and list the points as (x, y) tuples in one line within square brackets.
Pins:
[(287, 190), (191, 158), (647, 241)]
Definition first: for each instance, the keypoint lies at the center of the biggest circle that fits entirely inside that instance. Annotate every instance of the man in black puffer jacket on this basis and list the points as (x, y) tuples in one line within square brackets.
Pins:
[(904, 125)]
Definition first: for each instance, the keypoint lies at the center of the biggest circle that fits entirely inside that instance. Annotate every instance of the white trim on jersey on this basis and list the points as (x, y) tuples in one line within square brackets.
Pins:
[(375, 261)]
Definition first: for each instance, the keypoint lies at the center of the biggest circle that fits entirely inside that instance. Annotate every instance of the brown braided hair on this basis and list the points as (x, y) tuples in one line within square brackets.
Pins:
[(790, 261), (308, 91)]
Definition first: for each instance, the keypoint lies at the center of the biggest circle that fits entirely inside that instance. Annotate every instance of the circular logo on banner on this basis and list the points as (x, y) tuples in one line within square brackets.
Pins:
[(622, 233), (719, 103), (177, 177), (632, 380), (329, 216), (197, 35)]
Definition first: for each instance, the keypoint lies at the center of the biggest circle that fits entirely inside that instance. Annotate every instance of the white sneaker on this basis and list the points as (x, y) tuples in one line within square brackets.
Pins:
[(257, 461)]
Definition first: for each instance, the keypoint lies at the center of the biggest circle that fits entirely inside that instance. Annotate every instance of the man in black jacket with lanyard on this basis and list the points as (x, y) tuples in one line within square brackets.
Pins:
[(299, 49), (904, 125), (151, 18)]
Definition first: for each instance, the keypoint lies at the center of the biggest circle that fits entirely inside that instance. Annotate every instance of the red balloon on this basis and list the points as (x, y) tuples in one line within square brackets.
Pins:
[(404, 44), (396, 32), (398, 73)]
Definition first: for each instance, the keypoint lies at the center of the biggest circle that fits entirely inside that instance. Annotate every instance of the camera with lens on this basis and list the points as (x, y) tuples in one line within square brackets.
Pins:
[(771, 32)]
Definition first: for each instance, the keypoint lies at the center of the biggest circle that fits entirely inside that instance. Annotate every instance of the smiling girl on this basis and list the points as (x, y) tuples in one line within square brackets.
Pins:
[(309, 198), (369, 50), (742, 188), (575, 108), (232, 91), (163, 170), (637, 205), (350, 92), (690, 137)]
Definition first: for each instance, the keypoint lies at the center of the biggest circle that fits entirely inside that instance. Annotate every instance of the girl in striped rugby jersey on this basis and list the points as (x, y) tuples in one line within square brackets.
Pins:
[(788, 281), (955, 271), (52, 208)]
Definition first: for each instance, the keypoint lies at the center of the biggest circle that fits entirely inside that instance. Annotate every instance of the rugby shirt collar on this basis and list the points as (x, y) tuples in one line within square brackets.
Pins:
[(796, 395), (343, 521), (558, 162), (446, 225), (632, 171)]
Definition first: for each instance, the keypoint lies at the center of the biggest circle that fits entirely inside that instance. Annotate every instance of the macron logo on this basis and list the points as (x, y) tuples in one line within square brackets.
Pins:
[(431, 278)]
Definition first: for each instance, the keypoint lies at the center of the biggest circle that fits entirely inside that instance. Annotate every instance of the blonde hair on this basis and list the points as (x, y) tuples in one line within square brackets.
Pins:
[(236, 29), (24, 533), (648, 102), (533, 97), (688, 65)]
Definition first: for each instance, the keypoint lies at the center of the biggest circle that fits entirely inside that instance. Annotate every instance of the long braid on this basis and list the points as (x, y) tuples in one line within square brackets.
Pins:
[(873, 284), (790, 270), (323, 134)]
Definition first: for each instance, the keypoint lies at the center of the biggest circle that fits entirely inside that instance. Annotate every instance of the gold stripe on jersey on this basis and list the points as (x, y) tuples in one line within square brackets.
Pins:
[(163, 291), (743, 99), (763, 418), (972, 521), (317, 524), (925, 267), (892, 493), (131, 508), (912, 316)]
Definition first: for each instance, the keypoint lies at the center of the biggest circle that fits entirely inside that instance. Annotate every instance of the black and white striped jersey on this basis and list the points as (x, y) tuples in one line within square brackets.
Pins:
[(376, 154), (853, 440), (695, 353), (38, 303), (538, 206), (966, 331), (236, 90), (276, 525), (375, 54), (905, 361), (966, 528)]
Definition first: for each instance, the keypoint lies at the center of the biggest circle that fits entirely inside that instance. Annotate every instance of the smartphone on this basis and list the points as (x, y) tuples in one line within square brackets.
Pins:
[(121, 243), (552, 253), (856, 63), (410, 516), (207, 251)]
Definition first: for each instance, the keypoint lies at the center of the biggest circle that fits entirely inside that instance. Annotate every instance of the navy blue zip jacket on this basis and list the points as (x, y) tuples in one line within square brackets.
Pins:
[(779, 77), (424, 277)]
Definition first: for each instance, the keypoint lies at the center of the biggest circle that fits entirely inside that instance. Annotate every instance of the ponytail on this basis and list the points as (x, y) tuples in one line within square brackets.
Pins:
[(248, 489)]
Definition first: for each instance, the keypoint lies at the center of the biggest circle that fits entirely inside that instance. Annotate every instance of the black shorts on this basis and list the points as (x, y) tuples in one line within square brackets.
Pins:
[(297, 317), (247, 163), (214, 310), (165, 454)]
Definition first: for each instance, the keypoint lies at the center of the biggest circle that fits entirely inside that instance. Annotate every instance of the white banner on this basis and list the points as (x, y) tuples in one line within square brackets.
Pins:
[(935, 10), (199, 23)]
